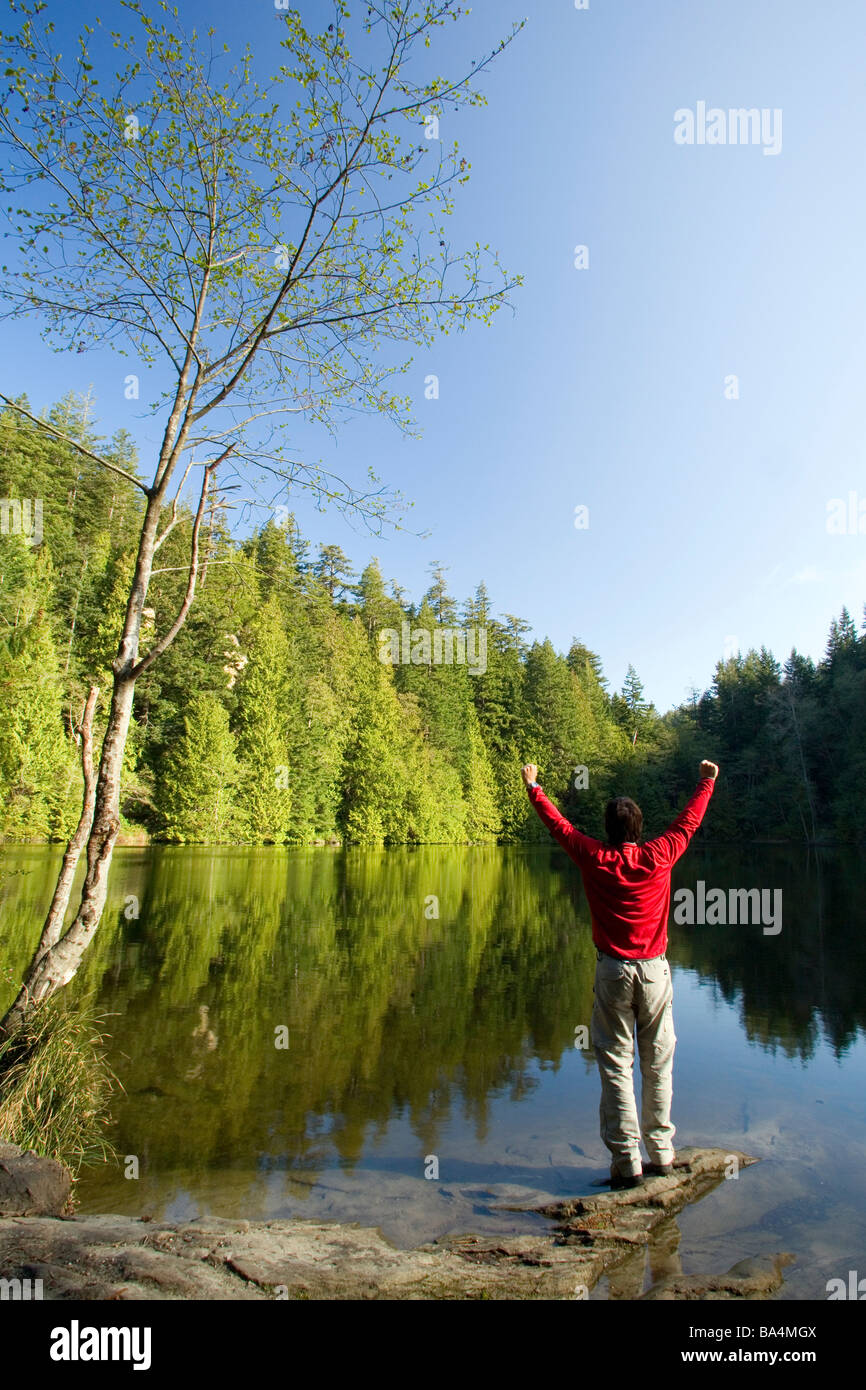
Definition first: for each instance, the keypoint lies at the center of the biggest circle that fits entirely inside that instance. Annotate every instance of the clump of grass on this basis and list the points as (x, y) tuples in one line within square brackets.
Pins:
[(56, 1085)]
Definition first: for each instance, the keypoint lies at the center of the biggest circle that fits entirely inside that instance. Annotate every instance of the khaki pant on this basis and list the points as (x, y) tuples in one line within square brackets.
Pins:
[(629, 994)]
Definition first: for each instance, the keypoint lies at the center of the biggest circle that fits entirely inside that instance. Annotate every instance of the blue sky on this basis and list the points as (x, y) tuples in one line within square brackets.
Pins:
[(606, 387)]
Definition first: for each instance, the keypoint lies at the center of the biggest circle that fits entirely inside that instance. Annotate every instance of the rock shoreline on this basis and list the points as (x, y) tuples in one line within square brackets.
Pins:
[(120, 1257)]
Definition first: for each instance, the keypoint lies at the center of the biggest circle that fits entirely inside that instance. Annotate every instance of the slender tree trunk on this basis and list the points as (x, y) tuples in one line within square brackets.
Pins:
[(55, 966), (60, 901)]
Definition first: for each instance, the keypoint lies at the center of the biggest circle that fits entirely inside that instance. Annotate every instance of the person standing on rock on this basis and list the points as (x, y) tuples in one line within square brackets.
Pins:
[(628, 888)]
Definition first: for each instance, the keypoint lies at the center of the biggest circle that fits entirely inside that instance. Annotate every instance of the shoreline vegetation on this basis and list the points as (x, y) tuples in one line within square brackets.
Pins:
[(279, 715), (138, 838)]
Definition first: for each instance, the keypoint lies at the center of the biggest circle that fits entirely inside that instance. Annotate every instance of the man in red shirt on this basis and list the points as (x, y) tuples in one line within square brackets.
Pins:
[(628, 888)]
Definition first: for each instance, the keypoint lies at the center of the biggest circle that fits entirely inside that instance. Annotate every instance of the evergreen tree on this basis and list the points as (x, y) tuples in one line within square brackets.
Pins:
[(440, 601), (483, 819), (39, 781), (334, 571), (196, 796), (262, 724), (553, 736), (586, 665), (499, 702), (331, 740), (378, 610), (375, 775)]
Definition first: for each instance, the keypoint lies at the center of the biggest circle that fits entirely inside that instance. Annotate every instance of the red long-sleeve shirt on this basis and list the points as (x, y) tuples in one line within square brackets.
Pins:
[(628, 887)]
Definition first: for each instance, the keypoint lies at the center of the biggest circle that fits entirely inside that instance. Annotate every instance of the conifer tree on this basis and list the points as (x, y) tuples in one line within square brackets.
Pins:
[(38, 774), (262, 725), (375, 775), (635, 706), (553, 732), (196, 795), (334, 571), (441, 603), (378, 610)]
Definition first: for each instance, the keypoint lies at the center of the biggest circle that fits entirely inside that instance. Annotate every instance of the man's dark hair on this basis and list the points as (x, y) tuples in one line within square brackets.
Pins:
[(623, 820)]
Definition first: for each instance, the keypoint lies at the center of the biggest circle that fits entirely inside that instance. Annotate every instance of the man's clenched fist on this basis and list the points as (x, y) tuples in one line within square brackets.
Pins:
[(530, 774), (708, 769)]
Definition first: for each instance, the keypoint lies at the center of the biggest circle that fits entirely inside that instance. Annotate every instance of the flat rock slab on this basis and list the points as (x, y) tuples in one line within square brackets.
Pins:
[(630, 1214), (115, 1257), (118, 1257)]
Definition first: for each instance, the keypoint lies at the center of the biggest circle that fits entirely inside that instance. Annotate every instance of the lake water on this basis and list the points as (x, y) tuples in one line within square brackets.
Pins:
[(412, 1037)]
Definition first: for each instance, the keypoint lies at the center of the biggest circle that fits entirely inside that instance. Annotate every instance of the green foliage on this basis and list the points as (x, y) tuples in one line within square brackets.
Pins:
[(262, 723), (273, 719), (56, 1086), (201, 776), (38, 777)]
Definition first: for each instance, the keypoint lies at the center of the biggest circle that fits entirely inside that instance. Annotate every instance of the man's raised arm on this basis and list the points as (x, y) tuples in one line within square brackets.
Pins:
[(669, 846), (563, 831)]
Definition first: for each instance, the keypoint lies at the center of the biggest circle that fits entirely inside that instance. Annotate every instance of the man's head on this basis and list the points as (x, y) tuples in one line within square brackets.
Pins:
[(623, 820)]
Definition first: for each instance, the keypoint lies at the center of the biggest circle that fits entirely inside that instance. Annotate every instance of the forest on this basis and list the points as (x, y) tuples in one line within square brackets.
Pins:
[(272, 718)]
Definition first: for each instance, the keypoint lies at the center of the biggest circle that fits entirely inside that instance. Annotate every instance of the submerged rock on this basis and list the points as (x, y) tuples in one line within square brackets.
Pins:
[(754, 1278)]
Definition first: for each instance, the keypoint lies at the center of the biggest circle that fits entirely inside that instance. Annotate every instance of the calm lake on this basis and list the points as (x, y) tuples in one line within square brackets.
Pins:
[(410, 1037)]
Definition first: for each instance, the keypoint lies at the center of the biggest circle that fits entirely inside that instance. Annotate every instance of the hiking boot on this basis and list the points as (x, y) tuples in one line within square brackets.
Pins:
[(617, 1181), (658, 1170)]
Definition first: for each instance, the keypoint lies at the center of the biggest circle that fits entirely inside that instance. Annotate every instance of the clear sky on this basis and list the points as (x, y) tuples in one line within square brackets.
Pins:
[(607, 387)]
